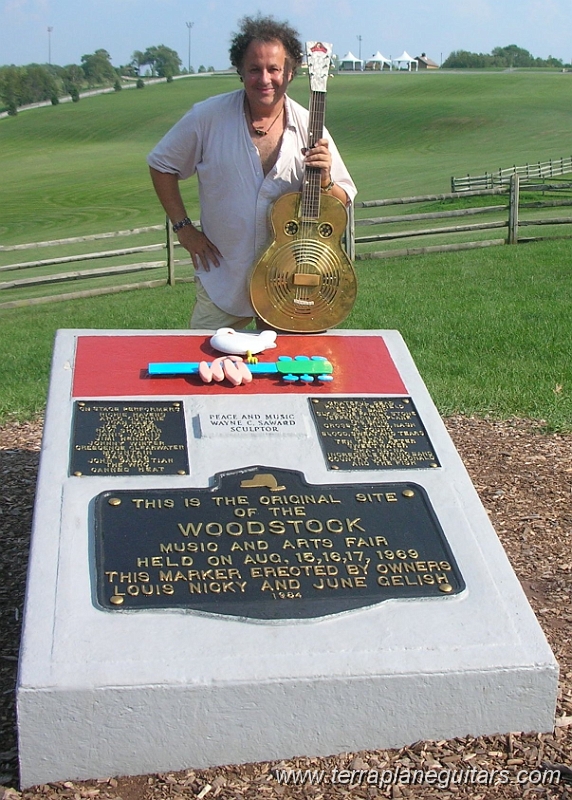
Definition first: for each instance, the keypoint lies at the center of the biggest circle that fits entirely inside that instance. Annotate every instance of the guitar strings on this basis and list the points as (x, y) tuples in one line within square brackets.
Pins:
[(310, 204)]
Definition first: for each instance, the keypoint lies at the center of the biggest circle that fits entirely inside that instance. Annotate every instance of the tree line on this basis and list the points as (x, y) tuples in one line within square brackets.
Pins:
[(509, 57), (36, 83)]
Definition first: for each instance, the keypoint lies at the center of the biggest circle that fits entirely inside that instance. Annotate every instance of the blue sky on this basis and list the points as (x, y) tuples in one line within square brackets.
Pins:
[(435, 27)]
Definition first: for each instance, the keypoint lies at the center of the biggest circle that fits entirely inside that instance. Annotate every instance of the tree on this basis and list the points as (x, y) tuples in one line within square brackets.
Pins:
[(512, 56), (508, 57), (37, 84), (462, 59), (98, 68), (73, 78), (137, 61), (554, 62), (21, 86), (163, 61), (10, 88)]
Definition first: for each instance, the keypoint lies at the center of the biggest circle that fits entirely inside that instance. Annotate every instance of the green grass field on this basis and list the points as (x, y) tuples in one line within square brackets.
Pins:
[(489, 330), (80, 168)]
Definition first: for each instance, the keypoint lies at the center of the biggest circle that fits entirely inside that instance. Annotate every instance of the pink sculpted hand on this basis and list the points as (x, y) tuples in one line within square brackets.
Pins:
[(232, 368)]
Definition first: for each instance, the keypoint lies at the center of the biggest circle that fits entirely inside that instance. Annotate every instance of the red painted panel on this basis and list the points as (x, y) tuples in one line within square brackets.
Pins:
[(116, 366)]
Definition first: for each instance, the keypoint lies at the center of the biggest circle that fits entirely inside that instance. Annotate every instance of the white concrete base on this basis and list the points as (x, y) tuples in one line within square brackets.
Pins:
[(113, 693)]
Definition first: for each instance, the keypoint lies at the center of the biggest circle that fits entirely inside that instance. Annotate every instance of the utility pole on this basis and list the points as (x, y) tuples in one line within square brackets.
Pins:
[(190, 27), (50, 29)]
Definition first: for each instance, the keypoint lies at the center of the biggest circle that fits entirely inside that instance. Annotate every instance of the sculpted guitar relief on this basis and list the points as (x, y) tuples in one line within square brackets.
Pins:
[(305, 281)]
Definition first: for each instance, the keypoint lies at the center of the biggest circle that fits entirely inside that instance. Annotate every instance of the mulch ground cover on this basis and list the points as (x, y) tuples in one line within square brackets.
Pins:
[(524, 478)]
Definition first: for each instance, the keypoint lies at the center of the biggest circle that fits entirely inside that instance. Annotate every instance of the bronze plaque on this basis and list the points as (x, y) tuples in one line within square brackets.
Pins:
[(372, 433), (127, 438), (262, 543)]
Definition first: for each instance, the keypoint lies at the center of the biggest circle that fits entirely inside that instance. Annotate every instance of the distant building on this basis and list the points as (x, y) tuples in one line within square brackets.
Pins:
[(426, 63)]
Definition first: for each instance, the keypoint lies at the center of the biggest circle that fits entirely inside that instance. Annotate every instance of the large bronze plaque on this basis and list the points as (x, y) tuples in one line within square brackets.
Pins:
[(265, 544), (126, 438), (372, 433)]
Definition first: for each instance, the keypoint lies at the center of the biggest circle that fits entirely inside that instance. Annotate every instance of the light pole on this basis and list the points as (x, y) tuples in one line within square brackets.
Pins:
[(50, 29), (190, 27), (359, 51)]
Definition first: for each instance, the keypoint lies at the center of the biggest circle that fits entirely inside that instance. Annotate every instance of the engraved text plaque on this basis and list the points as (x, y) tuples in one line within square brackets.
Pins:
[(372, 433), (263, 543), (128, 438)]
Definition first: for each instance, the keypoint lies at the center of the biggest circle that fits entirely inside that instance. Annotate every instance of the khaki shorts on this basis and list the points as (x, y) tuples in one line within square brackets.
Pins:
[(207, 316)]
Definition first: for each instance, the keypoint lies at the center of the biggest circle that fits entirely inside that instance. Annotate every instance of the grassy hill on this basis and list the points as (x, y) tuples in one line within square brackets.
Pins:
[(80, 167)]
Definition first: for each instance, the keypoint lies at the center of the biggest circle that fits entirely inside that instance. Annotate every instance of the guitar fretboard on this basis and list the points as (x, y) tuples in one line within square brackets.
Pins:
[(310, 200)]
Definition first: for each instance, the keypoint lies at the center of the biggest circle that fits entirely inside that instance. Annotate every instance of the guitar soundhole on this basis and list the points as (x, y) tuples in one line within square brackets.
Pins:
[(291, 228), (325, 230)]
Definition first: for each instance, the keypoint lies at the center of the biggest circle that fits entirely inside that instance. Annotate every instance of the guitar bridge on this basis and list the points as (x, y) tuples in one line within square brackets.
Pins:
[(306, 279)]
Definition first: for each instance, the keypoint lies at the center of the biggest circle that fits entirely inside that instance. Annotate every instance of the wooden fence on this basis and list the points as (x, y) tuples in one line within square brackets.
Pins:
[(104, 280), (502, 177), (444, 222), (502, 212)]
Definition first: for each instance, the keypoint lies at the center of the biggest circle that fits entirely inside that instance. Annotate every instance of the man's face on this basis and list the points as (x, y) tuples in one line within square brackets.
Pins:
[(266, 75)]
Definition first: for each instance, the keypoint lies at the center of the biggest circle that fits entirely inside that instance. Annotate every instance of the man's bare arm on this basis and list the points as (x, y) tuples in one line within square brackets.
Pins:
[(202, 251)]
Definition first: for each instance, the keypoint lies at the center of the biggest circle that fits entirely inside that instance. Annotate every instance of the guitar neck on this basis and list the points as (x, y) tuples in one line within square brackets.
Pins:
[(310, 200), (317, 117)]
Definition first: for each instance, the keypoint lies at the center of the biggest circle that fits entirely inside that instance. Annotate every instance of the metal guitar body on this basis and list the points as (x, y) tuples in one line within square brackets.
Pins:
[(304, 281)]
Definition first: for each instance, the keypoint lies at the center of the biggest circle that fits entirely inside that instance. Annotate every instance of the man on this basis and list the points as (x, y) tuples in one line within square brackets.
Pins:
[(247, 148)]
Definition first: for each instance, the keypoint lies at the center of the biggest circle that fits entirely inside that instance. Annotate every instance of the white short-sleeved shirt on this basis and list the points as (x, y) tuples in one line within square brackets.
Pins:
[(213, 141)]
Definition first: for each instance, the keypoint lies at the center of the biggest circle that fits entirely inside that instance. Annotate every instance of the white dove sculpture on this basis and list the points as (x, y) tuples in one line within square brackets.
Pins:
[(237, 343)]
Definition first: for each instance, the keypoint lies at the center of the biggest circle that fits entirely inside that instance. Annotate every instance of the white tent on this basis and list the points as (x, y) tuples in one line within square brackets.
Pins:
[(349, 61), (377, 62), (406, 59)]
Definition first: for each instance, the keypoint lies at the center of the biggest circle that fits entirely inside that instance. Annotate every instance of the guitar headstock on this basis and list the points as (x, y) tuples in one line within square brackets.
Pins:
[(318, 55)]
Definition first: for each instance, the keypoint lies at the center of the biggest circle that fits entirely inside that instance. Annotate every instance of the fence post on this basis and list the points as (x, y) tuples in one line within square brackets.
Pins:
[(513, 209), (170, 253)]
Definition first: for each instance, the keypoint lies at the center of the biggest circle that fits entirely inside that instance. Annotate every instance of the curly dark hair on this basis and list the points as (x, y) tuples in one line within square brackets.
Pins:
[(265, 29)]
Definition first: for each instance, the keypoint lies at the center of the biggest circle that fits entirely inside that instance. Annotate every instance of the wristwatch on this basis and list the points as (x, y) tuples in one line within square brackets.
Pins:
[(178, 225)]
